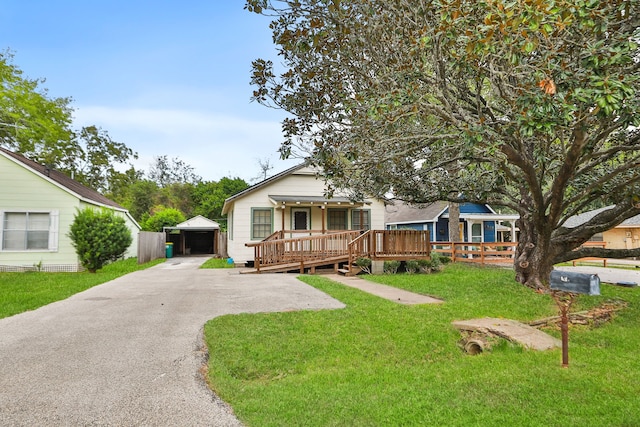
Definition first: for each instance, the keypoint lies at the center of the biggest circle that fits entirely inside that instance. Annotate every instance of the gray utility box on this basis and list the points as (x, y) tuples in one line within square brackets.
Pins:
[(579, 283)]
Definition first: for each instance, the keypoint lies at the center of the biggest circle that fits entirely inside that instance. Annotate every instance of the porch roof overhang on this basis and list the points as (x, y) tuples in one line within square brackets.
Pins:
[(280, 200)]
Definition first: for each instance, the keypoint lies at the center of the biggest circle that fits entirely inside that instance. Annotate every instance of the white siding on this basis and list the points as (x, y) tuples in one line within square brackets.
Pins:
[(300, 183)]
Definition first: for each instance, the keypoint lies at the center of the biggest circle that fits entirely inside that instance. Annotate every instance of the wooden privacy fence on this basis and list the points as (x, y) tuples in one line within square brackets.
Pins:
[(151, 246), (483, 253)]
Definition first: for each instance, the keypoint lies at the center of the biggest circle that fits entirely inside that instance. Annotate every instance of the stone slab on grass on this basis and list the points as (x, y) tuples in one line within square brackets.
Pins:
[(511, 330)]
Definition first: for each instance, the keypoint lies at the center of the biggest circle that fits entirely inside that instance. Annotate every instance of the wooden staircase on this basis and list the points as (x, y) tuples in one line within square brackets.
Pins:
[(350, 270)]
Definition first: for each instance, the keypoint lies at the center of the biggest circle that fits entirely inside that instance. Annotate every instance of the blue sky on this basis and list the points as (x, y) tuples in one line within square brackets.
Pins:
[(164, 77)]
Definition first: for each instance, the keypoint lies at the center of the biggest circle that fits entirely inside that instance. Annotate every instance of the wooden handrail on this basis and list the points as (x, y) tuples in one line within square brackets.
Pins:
[(301, 249)]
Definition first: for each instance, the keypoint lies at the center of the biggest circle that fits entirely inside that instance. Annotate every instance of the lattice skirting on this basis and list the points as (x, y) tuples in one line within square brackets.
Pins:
[(48, 268)]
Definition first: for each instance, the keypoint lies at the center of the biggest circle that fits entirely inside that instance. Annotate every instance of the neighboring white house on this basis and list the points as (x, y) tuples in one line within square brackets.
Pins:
[(294, 201), (37, 208)]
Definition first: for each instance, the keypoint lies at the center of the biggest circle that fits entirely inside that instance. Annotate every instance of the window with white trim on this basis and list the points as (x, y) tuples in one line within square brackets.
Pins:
[(29, 231)]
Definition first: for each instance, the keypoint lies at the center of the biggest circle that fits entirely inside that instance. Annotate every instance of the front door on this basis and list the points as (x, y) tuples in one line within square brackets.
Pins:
[(300, 219)]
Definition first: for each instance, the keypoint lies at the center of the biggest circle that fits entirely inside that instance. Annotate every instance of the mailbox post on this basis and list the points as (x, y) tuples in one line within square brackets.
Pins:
[(565, 286)]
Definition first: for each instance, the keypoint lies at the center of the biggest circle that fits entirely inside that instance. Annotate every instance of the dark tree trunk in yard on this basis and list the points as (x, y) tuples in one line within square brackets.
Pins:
[(534, 255), (454, 222)]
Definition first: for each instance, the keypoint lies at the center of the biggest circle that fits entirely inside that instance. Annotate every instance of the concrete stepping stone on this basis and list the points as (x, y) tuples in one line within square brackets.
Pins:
[(383, 291)]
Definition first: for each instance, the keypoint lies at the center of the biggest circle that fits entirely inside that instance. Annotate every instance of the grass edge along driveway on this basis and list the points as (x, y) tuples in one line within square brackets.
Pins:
[(20, 292), (380, 363)]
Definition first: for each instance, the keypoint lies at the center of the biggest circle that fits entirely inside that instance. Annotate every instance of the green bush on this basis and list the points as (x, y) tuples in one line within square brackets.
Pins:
[(411, 266), (442, 259), (391, 267), (99, 237), (364, 264), (436, 261), (424, 265), (168, 217)]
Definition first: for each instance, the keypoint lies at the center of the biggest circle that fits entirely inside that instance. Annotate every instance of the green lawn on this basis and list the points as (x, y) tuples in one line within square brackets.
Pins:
[(21, 292), (380, 363), (217, 263)]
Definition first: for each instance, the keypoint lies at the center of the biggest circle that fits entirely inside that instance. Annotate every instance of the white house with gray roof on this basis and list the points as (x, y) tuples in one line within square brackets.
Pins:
[(294, 201)]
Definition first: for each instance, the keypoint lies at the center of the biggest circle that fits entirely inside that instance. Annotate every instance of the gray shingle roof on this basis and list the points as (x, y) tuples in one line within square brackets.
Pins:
[(580, 219), (62, 180), (401, 212)]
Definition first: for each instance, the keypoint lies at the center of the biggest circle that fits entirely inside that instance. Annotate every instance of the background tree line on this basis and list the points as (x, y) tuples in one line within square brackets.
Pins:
[(39, 127)]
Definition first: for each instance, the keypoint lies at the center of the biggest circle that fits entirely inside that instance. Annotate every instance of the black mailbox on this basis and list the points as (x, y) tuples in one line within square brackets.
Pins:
[(580, 283)]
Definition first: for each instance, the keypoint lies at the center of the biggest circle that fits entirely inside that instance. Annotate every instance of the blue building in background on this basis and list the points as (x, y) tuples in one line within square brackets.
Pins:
[(478, 222)]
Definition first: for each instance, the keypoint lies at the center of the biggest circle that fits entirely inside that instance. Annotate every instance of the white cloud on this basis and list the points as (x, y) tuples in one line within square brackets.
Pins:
[(215, 145)]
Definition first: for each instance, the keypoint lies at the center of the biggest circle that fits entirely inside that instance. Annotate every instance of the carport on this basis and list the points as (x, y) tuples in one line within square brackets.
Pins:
[(195, 236)]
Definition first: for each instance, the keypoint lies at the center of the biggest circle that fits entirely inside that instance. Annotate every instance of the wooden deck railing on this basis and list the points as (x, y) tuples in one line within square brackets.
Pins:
[(278, 249), (390, 244), (348, 245), (301, 249)]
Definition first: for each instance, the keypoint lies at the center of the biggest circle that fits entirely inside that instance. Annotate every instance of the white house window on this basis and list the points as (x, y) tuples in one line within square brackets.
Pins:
[(261, 220), (360, 214), (28, 231), (337, 219)]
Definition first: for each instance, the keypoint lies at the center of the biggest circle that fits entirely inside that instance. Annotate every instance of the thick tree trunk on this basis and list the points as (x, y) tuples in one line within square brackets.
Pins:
[(534, 256), (454, 222)]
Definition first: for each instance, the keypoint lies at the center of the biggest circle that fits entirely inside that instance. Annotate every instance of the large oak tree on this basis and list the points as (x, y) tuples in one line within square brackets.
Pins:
[(527, 104)]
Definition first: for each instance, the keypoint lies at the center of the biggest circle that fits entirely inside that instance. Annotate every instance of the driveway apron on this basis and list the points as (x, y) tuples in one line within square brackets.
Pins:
[(130, 352)]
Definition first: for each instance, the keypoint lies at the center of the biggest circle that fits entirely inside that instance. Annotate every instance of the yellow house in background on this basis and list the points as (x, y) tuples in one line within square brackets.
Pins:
[(37, 207), (623, 236)]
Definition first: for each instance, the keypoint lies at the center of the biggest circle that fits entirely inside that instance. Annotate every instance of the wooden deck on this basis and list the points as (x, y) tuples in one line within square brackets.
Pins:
[(337, 249)]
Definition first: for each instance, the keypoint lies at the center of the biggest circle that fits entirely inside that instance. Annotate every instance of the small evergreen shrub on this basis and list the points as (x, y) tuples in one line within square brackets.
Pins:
[(99, 237), (436, 261), (411, 266), (424, 265), (391, 267), (364, 264)]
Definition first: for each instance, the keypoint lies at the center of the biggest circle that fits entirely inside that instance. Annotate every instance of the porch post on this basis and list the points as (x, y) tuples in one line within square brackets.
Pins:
[(282, 228), (323, 219)]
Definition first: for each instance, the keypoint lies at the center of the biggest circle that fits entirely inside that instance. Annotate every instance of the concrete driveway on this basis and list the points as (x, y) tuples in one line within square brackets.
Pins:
[(128, 352)]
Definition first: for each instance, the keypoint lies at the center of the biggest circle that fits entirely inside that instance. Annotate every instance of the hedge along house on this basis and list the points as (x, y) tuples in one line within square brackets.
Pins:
[(37, 207), (294, 203), (478, 222), (195, 236)]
